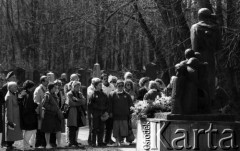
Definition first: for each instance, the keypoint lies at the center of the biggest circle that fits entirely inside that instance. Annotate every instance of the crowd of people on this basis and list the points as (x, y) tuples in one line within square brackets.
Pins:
[(53, 107)]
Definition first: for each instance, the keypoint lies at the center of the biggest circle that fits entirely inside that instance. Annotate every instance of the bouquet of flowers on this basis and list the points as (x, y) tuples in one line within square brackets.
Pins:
[(143, 109)]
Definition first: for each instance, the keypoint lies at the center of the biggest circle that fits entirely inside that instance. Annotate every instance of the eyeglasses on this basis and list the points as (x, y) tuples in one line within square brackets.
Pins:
[(120, 86)]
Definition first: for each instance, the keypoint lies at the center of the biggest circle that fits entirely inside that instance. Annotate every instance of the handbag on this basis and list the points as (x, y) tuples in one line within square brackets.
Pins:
[(65, 110)]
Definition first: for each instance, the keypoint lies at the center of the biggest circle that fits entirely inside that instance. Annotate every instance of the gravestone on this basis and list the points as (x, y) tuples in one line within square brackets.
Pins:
[(83, 78), (20, 74), (96, 70), (36, 76), (29, 75), (51, 77), (151, 71)]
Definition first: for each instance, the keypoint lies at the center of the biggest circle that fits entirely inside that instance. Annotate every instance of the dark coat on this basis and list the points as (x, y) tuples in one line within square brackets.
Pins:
[(98, 103), (52, 118), (77, 113), (120, 104), (142, 91), (28, 112)]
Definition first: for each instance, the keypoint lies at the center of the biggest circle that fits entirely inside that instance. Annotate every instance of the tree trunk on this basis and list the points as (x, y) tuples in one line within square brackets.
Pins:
[(179, 37), (219, 13)]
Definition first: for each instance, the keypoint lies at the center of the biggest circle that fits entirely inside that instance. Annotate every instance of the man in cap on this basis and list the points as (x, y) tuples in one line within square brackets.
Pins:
[(11, 77), (38, 97), (205, 39)]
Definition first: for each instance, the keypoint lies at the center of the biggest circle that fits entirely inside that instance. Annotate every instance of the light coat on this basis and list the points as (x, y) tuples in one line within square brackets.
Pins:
[(13, 115)]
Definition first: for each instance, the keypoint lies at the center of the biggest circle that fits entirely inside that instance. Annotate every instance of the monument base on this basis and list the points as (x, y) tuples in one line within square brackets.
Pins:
[(188, 132)]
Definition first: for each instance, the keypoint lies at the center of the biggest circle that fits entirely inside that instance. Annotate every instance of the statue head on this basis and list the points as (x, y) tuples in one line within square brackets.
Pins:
[(205, 14), (189, 53)]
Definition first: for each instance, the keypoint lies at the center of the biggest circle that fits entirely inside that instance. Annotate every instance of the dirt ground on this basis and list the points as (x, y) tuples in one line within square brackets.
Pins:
[(82, 138)]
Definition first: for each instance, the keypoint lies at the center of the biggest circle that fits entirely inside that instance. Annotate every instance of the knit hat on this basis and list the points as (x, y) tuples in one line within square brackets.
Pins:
[(127, 75), (96, 81), (58, 82), (120, 81), (11, 84), (73, 77), (153, 85), (112, 79)]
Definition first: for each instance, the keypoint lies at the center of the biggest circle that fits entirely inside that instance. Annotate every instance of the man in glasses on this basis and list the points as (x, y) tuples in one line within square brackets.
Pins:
[(120, 103), (107, 89)]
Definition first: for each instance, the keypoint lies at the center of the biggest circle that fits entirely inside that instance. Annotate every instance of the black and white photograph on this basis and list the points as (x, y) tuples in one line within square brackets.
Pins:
[(119, 75)]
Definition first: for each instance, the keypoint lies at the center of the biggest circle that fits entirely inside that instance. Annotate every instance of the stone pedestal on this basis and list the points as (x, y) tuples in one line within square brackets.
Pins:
[(197, 132)]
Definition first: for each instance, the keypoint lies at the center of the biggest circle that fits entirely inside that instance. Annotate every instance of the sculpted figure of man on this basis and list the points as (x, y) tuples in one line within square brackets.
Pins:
[(205, 40)]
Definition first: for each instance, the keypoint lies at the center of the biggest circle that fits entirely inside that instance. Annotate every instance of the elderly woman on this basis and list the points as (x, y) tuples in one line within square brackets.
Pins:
[(152, 93), (14, 132), (113, 80), (143, 83), (61, 100), (28, 112), (52, 117), (120, 111), (129, 88), (76, 116), (98, 106)]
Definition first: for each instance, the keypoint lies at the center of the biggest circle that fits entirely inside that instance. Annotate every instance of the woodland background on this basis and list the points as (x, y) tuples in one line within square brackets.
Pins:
[(56, 35)]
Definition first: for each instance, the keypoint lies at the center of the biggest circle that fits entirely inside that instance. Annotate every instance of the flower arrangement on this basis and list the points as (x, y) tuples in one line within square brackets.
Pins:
[(145, 109)]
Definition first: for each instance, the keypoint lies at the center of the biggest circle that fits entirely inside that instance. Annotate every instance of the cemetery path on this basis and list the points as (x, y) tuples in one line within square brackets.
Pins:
[(82, 138)]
